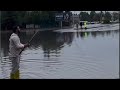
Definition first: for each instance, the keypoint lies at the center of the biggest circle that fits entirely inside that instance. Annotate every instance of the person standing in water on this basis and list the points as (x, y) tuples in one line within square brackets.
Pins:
[(15, 46), (81, 25), (77, 25)]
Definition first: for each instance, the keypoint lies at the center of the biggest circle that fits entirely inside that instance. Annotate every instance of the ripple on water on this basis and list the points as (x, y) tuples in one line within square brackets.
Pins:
[(67, 61)]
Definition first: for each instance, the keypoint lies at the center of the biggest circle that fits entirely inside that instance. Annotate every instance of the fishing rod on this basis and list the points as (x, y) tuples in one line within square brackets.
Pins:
[(29, 42)]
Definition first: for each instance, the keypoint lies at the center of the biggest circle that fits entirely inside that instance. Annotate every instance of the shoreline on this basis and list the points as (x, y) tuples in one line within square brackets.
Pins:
[(40, 29)]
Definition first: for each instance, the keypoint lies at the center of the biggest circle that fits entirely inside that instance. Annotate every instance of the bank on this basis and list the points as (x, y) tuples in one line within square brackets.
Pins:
[(39, 29)]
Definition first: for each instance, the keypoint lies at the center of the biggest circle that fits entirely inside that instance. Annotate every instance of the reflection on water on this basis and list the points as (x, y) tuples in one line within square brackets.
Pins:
[(65, 55)]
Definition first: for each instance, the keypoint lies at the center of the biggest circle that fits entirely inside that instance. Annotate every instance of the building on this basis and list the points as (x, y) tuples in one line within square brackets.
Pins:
[(75, 18)]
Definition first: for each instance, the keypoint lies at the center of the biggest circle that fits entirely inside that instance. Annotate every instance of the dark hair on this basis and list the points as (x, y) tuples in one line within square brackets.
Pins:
[(14, 29)]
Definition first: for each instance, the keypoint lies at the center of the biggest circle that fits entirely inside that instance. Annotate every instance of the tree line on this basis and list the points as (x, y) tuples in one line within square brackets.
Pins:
[(47, 18), (43, 18), (106, 16)]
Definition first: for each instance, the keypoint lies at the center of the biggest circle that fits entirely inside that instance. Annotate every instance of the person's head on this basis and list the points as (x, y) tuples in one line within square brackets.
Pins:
[(16, 29)]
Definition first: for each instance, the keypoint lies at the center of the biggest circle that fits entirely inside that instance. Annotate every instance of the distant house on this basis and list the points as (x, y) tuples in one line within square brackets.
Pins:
[(75, 18), (29, 26), (32, 26)]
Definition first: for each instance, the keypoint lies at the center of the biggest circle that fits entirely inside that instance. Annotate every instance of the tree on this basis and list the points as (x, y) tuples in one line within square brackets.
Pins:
[(97, 17), (84, 16), (92, 14), (8, 19), (107, 17), (42, 18), (21, 18), (115, 16), (101, 16)]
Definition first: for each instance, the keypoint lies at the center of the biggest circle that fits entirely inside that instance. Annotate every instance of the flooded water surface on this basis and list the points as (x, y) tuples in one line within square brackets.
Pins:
[(67, 54)]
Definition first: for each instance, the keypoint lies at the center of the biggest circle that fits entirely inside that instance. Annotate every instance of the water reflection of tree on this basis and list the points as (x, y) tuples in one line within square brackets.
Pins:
[(51, 42), (68, 37), (94, 34), (108, 33), (82, 34), (116, 31), (98, 33), (103, 33), (24, 38)]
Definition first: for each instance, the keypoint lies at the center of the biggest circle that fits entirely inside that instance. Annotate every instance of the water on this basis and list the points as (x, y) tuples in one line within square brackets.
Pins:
[(68, 54)]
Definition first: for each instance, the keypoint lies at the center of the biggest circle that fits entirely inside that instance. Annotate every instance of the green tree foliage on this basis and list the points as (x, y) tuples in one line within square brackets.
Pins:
[(42, 18), (8, 19), (92, 14), (115, 16), (84, 16), (107, 17), (97, 17), (47, 18)]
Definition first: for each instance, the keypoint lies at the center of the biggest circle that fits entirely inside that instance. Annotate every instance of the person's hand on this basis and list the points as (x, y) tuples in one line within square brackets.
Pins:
[(26, 45)]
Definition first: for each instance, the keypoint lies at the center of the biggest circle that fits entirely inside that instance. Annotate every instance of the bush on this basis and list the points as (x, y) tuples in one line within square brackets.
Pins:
[(106, 21)]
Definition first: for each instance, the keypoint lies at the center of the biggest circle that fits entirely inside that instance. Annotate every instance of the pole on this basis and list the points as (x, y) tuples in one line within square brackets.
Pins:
[(61, 24), (28, 42), (119, 18), (73, 19), (101, 17)]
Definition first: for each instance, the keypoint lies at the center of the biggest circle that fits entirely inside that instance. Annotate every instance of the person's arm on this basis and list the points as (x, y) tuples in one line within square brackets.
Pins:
[(17, 43)]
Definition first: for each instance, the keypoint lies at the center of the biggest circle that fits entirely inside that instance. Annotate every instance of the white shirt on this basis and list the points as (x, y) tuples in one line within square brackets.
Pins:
[(15, 45)]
